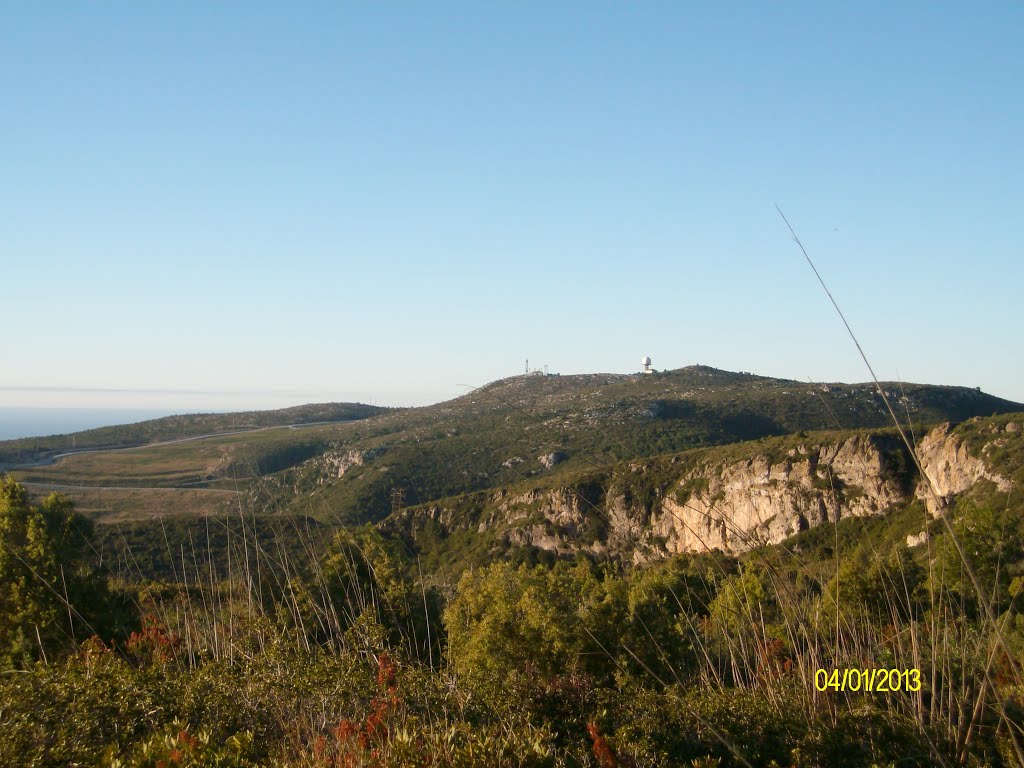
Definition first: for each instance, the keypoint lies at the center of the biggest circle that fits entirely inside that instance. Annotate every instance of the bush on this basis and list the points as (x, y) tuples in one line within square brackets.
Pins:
[(733, 725), (70, 713), (505, 620), (863, 737), (49, 595), (178, 746)]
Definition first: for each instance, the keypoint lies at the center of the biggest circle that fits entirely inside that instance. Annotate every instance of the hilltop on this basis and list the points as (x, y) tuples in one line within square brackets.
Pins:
[(528, 426), (512, 430)]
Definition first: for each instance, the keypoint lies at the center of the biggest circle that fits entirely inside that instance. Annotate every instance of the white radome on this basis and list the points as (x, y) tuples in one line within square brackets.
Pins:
[(645, 360)]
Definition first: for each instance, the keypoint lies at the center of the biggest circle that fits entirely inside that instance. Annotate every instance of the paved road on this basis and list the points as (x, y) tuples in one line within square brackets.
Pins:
[(47, 461), (63, 487)]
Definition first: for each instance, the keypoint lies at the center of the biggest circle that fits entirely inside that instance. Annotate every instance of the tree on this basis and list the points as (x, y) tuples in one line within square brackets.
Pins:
[(365, 581), (745, 601), (49, 595), (507, 619), (991, 541), (664, 603)]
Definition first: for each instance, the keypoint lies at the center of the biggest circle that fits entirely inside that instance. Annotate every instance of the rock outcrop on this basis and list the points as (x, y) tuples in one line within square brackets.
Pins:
[(917, 539), (951, 468), (337, 463), (550, 459), (746, 504), (731, 504)]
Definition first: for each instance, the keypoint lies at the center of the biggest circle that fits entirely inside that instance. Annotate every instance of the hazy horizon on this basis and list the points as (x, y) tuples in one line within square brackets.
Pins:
[(42, 422), (48, 405)]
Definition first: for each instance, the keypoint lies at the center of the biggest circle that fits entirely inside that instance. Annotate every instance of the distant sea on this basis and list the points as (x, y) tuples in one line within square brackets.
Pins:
[(38, 422)]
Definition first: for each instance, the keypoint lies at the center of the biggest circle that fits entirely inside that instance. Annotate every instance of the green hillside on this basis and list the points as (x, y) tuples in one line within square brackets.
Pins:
[(270, 633), (495, 435), (488, 438), (29, 449)]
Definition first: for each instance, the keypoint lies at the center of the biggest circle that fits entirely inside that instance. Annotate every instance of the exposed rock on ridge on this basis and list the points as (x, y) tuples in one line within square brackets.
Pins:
[(757, 502), (722, 503), (951, 467)]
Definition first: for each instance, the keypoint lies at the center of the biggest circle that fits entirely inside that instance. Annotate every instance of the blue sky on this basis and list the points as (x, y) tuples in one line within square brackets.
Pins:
[(247, 205)]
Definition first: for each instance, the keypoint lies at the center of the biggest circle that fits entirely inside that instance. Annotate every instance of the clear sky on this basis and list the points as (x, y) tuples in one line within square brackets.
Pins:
[(221, 205)]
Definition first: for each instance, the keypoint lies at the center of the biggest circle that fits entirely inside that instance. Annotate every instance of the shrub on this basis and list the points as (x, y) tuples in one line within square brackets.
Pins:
[(176, 745), (49, 595)]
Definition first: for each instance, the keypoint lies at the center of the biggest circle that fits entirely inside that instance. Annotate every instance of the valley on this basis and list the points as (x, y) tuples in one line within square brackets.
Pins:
[(634, 467)]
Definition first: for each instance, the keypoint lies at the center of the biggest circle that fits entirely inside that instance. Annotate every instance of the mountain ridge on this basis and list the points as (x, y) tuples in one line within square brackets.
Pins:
[(732, 498), (499, 434), (527, 425)]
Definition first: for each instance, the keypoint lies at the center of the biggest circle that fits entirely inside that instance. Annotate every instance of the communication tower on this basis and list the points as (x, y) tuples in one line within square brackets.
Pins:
[(397, 499)]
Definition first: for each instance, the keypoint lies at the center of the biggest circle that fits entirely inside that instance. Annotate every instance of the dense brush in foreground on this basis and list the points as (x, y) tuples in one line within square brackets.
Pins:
[(356, 659)]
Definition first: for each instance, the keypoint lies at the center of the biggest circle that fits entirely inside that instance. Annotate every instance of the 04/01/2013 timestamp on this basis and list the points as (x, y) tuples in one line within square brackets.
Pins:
[(868, 680)]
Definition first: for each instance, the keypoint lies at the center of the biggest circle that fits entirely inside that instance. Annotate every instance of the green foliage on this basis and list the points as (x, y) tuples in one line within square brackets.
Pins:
[(49, 595), (412, 743), (864, 736), (654, 638), (56, 715), (505, 619), (539, 674), (574, 620), (991, 542), (743, 601), (177, 746), (887, 589), (366, 580), (734, 726)]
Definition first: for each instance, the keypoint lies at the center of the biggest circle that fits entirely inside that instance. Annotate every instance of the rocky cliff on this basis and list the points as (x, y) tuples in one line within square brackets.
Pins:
[(764, 501), (730, 499), (952, 468)]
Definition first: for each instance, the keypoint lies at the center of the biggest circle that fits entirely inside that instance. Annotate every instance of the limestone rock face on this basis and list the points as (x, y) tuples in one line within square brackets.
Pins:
[(917, 539), (728, 504), (550, 459), (756, 502), (560, 505), (550, 520), (950, 466), (337, 463)]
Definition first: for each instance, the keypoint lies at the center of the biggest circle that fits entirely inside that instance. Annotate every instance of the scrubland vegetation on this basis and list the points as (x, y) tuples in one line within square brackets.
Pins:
[(179, 427), (290, 626), (324, 647), (489, 438)]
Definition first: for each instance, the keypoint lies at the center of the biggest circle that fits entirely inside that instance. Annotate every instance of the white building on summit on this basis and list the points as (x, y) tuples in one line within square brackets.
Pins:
[(645, 361)]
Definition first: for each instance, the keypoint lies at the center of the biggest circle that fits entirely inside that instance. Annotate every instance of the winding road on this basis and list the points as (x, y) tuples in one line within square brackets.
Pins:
[(49, 460)]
